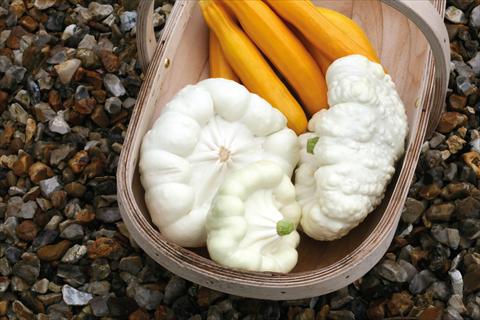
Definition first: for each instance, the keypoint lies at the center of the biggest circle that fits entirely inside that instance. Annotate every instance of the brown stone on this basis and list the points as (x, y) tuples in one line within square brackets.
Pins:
[(29, 23), (94, 168), (79, 161), (39, 171), (85, 106), (440, 212), (84, 216), (15, 145), (161, 313), (100, 117), (120, 116), (471, 281), (93, 78), (54, 251), (455, 144), (75, 189), (472, 159), (55, 100), (139, 314), (431, 313), (450, 121), (27, 230), (7, 134), (13, 40), (99, 95), (58, 199), (430, 191), (376, 311), (206, 296), (400, 304), (21, 311), (17, 7), (457, 102), (3, 307), (109, 60), (23, 163), (103, 248), (30, 130), (32, 194), (417, 254), (3, 100)]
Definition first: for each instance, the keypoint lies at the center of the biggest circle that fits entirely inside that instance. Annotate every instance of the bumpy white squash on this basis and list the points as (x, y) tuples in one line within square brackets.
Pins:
[(206, 131), (348, 157)]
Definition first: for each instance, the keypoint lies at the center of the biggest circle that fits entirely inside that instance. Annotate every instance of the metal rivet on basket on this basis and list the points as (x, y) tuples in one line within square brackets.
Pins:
[(417, 103), (166, 63)]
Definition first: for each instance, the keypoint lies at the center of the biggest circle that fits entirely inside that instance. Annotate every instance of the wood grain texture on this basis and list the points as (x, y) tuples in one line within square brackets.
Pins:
[(323, 266)]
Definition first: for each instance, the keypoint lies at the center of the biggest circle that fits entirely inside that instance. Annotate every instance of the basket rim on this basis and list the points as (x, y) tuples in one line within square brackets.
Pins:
[(208, 273)]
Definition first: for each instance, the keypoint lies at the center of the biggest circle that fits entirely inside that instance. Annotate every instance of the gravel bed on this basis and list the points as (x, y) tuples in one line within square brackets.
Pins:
[(69, 78)]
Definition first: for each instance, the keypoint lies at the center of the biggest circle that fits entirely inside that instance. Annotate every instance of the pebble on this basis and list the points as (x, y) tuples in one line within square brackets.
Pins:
[(74, 254), (100, 269), (21, 311), (108, 214), (99, 306), (174, 289), (131, 264), (66, 70), (50, 185), (73, 232), (450, 121), (104, 247), (392, 271), (128, 20), (113, 85), (53, 252), (440, 212), (44, 4), (421, 281), (148, 296), (41, 286), (58, 124), (475, 17), (74, 297), (100, 11)]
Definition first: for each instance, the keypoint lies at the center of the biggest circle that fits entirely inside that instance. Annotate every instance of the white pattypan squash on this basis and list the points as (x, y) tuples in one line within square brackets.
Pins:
[(204, 132), (348, 157), (253, 219)]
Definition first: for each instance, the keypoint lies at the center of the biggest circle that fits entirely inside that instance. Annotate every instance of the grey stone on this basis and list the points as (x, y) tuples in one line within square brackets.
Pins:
[(391, 271), (99, 11), (100, 269), (108, 214), (475, 17), (5, 268), (88, 42), (4, 284), (131, 264), (74, 297), (49, 185), (73, 232), (447, 236), (99, 306), (74, 254), (58, 124), (412, 210), (5, 64), (41, 286), (409, 268), (44, 112), (456, 280), (439, 290), (421, 281), (455, 15), (99, 288), (17, 113), (128, 19), (113, 85), (113, 105), (174, 289), (129, 103), (26, 271), (148, 296)]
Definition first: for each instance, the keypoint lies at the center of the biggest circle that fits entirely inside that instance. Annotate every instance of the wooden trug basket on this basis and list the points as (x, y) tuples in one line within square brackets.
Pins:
[(412, 41)]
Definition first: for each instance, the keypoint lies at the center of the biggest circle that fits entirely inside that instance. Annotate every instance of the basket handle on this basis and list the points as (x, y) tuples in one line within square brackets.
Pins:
[(422, 13)]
